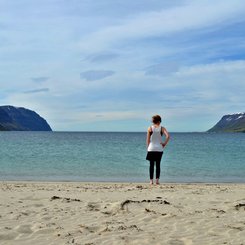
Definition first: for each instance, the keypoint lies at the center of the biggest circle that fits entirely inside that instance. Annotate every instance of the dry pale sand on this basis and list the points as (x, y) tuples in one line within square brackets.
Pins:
[(116, 213)]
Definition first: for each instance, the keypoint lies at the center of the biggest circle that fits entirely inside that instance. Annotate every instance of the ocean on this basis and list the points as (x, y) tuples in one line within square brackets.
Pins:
[(120, 157)]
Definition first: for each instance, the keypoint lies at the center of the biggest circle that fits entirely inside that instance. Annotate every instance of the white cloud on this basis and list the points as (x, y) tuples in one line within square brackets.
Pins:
[(194, 15), (107, 116), (218, 67)]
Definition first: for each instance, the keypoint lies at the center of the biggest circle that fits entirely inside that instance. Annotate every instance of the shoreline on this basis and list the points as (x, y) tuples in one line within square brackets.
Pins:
[(121, 213), (120, 182)]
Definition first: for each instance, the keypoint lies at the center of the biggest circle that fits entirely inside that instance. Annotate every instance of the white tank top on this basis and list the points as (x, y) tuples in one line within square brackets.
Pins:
[(156, 139)]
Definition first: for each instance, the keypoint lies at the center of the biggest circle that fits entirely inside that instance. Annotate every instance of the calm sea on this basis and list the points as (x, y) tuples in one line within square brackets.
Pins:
[(87, 156)]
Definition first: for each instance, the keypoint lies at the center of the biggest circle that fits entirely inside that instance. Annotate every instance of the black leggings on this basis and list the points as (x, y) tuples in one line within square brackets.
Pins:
[(158, 169)]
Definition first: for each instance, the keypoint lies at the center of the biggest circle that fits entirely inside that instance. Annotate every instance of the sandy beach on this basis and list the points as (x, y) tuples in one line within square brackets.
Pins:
[(121, 213)]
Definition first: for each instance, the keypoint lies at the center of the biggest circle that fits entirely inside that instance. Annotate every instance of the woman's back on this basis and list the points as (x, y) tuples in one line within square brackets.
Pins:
[(156, 139)]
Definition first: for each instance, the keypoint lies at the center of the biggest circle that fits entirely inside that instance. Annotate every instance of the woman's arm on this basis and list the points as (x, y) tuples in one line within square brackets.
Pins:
[(148, 137), (167, 137)]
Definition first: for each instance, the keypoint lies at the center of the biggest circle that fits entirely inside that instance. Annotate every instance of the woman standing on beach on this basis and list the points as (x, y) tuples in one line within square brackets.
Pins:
[(155, 146)]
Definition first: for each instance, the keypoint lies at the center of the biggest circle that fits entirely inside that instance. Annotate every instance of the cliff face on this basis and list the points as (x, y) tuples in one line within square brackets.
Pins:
[(21, 119), (230, 123)]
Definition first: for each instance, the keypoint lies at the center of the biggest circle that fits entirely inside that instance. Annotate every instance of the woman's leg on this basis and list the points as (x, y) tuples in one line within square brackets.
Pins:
[(151, 170), (158, 169)]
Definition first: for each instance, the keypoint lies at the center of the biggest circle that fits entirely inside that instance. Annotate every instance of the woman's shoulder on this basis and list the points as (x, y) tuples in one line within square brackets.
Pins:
[(149, 129)]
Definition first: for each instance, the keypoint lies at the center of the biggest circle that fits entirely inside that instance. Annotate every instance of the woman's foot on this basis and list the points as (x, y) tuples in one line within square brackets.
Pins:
[(151, 182), (157, 182)]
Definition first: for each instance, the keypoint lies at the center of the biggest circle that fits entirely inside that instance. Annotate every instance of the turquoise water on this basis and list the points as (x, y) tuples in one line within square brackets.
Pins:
[(82, 156)]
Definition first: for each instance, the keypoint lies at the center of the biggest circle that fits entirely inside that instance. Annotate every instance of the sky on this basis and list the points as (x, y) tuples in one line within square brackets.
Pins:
[(110, 65)]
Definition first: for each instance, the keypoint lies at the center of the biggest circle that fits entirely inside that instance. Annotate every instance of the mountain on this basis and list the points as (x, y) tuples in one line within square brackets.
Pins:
[(21, 119), (230, 123)]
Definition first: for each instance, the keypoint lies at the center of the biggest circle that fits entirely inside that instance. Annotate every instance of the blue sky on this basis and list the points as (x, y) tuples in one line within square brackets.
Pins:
[(110, 65)]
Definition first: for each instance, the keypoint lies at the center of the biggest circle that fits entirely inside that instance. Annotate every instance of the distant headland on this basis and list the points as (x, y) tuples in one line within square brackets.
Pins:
[(230, 123), (21, 119)]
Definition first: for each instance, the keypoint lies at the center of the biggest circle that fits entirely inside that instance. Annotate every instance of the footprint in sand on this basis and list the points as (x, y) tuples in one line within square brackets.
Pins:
[(91, 229), (26, 229), (8, 236), (176, 242), (45, 231), (112, 208), (42, 228), (93, 206)]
